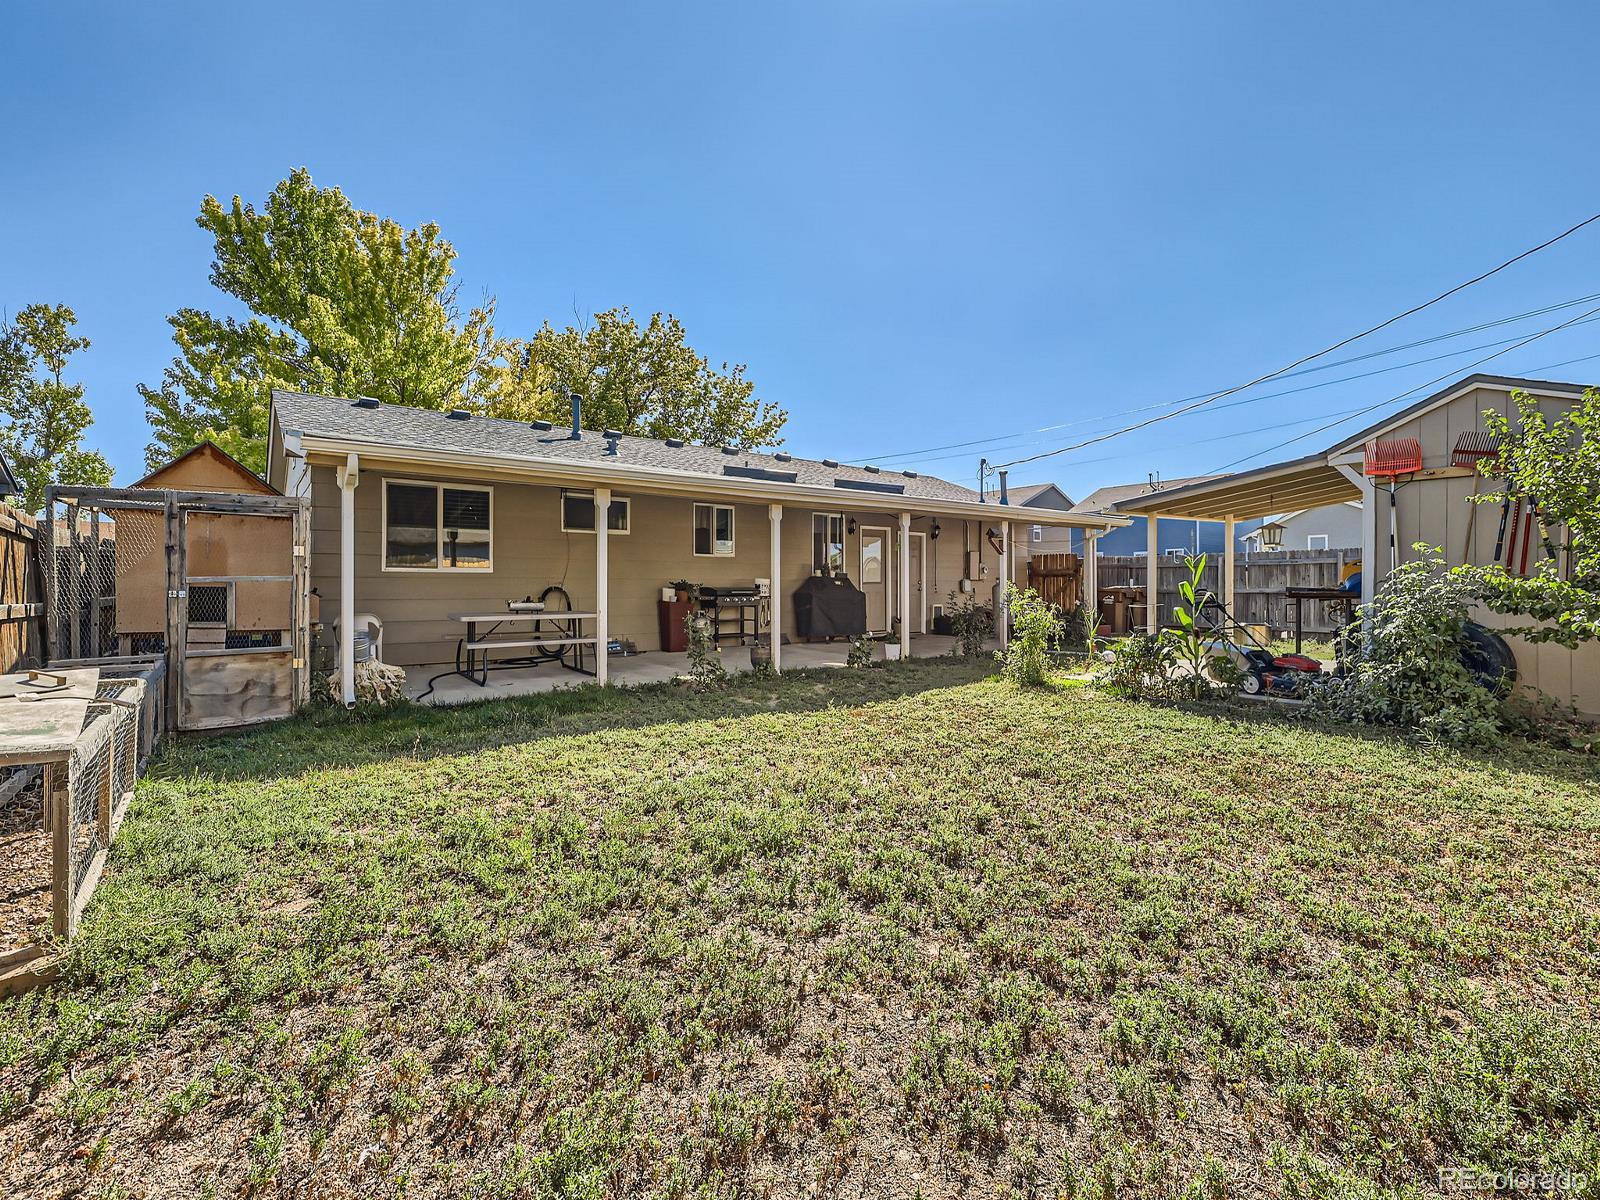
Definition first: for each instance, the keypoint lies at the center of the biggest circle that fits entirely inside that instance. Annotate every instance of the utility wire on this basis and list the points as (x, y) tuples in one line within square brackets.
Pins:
[(1413, 391), (997, 439), (1310, 387), (1414, 309)]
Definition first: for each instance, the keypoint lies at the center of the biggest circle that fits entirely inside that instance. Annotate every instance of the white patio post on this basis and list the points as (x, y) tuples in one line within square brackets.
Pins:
[(1227, 567), (775, 586), (1152, 567), (348, 477), (905, 585), (602, 582), (1002, 608)]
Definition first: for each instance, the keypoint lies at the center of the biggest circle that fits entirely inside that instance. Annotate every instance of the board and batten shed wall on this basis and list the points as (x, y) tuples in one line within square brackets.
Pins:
[(1438, 513)]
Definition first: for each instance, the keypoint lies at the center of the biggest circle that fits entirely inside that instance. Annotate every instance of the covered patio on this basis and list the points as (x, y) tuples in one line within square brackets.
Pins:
[(655, 666)]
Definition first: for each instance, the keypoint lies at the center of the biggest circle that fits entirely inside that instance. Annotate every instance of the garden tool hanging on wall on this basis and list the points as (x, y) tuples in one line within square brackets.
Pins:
[(1472, 449), (1389, 461)]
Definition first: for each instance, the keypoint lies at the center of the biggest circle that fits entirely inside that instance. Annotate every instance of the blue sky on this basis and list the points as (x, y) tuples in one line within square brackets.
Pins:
[(918, 223)]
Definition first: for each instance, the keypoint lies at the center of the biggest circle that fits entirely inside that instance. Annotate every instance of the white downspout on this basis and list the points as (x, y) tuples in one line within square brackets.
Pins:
[(349, 476)]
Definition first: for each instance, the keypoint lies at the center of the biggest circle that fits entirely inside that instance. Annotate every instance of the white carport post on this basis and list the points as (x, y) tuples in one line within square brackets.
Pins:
[(602, 582), (905, 586), (1369, 534), (1227, 568), (348, 477), (775, 598), (1152, 567), (1091, 577)]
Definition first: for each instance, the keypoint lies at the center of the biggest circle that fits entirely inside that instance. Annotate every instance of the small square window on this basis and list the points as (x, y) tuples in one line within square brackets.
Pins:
[(577, 513), (1316, 541), (1038, 533), (713, 530)]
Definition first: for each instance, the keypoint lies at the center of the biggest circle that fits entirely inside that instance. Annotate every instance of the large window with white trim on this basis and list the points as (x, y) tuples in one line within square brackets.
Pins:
[(437, 526), (713, 530)]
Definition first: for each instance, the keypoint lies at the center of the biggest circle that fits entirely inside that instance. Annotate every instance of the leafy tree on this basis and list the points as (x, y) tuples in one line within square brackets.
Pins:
[(1558, 463), (342, 302), (45, 416), (648, 381)]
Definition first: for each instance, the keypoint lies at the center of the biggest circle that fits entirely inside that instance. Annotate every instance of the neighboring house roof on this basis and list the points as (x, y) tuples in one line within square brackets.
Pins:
[(1030, 495), (206, 468), (1102, 499), (8, 481), (369, 427)]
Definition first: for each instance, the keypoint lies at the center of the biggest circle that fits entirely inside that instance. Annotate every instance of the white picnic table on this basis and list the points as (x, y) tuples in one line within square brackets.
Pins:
[(480, 643)]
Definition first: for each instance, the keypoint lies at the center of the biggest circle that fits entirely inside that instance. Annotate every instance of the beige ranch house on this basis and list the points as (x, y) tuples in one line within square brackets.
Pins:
[(424, 518)]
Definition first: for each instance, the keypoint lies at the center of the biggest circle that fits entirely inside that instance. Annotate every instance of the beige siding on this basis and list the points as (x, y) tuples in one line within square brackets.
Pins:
[(1438, 512), (531, 553)]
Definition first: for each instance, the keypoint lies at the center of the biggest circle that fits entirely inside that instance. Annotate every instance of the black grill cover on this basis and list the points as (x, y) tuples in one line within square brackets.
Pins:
[(826, 607)]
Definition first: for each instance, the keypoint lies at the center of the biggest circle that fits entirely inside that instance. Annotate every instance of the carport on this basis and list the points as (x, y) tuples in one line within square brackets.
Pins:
[(1308, 482)]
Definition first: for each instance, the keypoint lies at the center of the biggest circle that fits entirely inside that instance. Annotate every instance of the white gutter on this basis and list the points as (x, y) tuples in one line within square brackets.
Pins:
[(693, 482)]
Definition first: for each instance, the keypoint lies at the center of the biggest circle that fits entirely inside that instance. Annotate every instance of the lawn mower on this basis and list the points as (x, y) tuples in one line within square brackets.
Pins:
[(1261, 671)]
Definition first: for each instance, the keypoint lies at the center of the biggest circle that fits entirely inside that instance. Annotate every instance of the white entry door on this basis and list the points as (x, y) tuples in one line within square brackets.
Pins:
[(875, 576)]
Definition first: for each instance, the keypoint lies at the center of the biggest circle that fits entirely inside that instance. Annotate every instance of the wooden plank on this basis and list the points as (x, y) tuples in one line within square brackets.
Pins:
[(227, 690), (234, 544)]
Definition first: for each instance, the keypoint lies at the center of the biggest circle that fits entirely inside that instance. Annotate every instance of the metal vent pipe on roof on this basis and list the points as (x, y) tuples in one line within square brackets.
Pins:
[(577, 415), (1003, 499)]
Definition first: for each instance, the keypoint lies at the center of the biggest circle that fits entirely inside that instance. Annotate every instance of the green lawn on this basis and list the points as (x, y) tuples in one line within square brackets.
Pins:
[(852, 933)]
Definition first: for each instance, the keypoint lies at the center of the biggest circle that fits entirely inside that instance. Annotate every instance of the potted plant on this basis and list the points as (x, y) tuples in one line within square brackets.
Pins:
[(891, 648), (683, 588)]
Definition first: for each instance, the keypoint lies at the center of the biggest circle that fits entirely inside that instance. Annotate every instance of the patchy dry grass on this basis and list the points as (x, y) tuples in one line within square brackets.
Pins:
[(900, 932)]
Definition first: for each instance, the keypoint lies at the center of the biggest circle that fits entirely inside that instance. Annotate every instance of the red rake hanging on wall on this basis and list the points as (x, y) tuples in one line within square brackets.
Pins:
[(1390, 460)]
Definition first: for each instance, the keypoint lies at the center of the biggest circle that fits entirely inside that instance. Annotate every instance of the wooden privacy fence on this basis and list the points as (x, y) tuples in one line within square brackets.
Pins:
[(1058, 578), (1260, 579), (22, 608)]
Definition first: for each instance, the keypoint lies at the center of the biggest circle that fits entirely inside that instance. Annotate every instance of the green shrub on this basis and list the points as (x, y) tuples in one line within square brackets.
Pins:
[(860, 657), (706, 672), (1139, 666), (1035, 630), (971, 623), (1405, 668)]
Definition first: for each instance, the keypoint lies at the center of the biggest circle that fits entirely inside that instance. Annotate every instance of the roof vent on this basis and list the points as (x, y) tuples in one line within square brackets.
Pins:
[(542, 426), (459, 414), (909, 474), (783, 456), (730, 449), (831, 463), (871, 468), (613, 434), (675, 443), (366, 402)]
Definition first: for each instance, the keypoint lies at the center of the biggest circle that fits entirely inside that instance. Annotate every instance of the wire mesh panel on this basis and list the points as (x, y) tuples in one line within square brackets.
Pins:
[(107, 564), (83, 813)]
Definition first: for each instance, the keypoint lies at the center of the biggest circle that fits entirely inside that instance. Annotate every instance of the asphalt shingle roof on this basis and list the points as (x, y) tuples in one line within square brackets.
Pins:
[(1101, 499), (422, 428)]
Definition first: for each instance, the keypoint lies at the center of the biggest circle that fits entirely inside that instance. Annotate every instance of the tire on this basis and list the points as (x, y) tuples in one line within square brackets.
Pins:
[(1488, 657)]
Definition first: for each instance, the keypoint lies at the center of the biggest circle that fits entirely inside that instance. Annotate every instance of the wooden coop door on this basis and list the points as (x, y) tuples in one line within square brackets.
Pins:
[(237, 619)]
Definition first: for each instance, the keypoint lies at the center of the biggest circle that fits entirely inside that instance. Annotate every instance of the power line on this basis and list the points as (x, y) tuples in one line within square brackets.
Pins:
[(1413, 391), (1310, 387), (995, 440), (1414, 309)]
